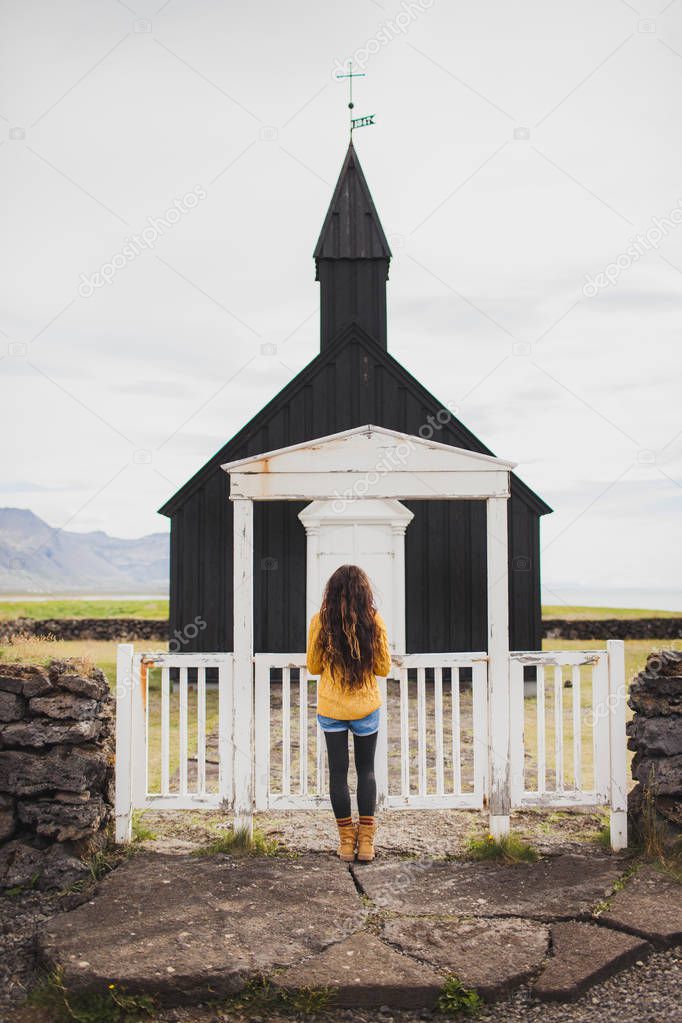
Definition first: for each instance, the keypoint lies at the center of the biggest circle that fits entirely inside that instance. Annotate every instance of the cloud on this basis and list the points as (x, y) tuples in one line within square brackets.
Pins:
[(513, 226)]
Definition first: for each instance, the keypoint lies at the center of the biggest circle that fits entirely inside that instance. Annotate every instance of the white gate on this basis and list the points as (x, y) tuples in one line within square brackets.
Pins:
[(432, 748), (174, 732), (176, 745), (568, 745)]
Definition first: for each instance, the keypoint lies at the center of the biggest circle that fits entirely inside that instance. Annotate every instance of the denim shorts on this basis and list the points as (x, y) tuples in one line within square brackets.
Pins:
[(360, 726)]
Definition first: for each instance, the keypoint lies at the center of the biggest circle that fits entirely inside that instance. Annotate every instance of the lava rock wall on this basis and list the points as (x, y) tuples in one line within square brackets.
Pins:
[(56, 771), (655, 735)]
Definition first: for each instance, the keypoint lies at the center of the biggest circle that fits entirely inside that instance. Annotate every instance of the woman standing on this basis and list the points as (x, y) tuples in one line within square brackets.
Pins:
[(348, 648)]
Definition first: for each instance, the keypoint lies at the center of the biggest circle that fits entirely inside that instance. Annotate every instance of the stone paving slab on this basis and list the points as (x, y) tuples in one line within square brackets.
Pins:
[(185, 928), (584, 954), (491, 955), (188, 929), (559, 887), (363, 971), (650, 904)]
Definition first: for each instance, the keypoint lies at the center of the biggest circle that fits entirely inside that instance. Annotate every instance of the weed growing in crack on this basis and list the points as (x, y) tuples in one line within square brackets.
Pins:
[(261, 997), (455, 998)]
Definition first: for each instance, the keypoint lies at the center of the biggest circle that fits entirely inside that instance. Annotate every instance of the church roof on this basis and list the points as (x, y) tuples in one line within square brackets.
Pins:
[(354, 380), (352, 229), (325, 379)]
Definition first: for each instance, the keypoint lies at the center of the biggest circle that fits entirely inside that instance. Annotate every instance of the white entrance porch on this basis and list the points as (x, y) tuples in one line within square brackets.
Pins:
[(456, 729)]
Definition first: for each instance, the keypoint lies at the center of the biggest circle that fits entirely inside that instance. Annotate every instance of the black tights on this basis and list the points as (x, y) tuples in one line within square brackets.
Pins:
[(337, 752)]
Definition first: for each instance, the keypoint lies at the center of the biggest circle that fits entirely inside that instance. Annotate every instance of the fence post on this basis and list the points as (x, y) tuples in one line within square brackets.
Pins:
[(243, 664), (261, 730), (124, 743), (617, 744), (479, 692), (516, 729), (138, 739), (382, 747), (226, 729), (498, 666)]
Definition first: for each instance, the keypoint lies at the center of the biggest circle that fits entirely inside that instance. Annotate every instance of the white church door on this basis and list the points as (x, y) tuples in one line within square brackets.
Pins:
[(368, 533)]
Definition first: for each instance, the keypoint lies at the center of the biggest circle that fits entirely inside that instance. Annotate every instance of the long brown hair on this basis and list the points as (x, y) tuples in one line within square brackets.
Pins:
[(349, 635)]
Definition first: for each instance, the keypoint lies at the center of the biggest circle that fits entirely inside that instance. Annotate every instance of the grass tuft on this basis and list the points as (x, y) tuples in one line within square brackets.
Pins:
[(672, 862), (653, 831), (455, 999), (25, 648), (141, 833), (240, 843), (510, 849), (261, 998), (99, 865), (618, 885), (655, 842), (111, 1005), (602, 837)]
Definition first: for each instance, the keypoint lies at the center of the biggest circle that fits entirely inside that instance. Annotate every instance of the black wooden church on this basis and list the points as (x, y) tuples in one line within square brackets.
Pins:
[(352, 381)]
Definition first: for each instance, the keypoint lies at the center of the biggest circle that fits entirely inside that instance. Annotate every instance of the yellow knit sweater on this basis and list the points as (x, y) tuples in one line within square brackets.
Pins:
[(333, 699)]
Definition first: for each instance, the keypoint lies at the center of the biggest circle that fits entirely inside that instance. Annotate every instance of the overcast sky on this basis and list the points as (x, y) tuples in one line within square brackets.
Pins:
[(519, 148)]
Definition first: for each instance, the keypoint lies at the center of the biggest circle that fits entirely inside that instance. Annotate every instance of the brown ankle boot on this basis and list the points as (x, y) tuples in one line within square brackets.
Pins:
[(348, 836), (366, 830)]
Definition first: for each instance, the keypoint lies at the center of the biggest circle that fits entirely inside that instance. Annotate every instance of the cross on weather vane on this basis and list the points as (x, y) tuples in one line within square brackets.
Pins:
[(355, 122)]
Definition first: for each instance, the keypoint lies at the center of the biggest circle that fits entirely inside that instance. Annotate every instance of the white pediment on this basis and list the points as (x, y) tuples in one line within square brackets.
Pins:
[(369, 462), (389, 512), (365, 448)]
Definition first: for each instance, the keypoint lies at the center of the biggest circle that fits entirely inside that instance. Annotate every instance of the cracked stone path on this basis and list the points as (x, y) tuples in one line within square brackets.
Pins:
[(187, 929)]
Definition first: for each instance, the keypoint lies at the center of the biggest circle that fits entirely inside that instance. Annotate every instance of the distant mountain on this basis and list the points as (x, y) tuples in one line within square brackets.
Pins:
[(36, 558)]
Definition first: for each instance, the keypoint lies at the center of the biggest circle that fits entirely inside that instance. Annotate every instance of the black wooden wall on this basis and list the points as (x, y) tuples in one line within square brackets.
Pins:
[(353, 384)]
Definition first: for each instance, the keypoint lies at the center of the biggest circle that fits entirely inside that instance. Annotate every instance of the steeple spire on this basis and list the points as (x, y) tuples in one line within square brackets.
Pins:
[(352, 258)]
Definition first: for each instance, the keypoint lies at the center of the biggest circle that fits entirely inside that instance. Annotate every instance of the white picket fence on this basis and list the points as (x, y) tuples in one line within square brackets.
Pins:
[(176, 746)]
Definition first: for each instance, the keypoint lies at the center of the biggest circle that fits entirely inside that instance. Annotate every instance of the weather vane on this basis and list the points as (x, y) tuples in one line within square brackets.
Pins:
[(355, 122)]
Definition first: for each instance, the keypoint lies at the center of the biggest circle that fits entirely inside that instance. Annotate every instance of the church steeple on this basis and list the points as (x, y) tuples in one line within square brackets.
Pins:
[(352, 258)]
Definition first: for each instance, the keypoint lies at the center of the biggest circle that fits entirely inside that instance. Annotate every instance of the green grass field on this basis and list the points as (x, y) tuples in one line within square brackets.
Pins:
[(597, 613), (70, 608), (132, 608)]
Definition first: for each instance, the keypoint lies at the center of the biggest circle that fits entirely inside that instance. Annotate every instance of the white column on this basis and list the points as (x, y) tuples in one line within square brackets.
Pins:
[(312, 572), (498, 666), (124, 738), (243, 664), (617, 744), (398, 637)]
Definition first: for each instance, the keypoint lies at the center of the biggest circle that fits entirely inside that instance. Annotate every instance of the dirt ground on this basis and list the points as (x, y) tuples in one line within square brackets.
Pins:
[(433, 833)]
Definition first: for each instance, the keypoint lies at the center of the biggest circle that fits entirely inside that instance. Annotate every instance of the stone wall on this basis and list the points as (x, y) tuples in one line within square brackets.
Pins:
[(122, 630), (612, 628), (56, 771), (131, 630), (655, 734)]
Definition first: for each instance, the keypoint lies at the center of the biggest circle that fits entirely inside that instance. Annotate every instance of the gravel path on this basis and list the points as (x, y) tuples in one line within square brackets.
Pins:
[(20, 918)]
